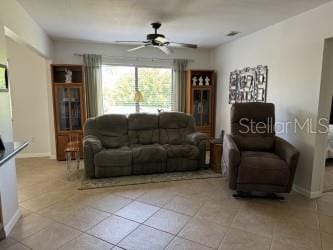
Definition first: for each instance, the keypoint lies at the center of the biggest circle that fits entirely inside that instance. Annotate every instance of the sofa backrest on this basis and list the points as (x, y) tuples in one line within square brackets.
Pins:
[(117, 130), (174, 127), (252, 126), (111, 129), (143, 128)]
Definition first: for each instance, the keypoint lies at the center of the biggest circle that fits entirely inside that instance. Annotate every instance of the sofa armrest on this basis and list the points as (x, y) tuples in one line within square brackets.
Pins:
[(92, 143), (200, 140), (91, 146), (231, 158), (196, 138)]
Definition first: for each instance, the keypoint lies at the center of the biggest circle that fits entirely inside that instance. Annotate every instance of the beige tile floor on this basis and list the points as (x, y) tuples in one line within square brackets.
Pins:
[(196, 214)]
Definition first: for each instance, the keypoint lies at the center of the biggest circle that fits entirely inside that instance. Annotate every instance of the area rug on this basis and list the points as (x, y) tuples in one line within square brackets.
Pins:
[(143, 179)]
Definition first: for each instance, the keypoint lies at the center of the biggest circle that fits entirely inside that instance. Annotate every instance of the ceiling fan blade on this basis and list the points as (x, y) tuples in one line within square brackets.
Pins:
[(136, 48), (166, 49), (183, 45), (143, 42)]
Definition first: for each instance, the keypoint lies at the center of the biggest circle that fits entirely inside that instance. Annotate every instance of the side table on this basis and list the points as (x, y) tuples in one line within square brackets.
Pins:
[(216, 149), (72, 149)]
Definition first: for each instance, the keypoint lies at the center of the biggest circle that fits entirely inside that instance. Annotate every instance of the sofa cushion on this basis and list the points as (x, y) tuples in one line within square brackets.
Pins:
[(112, 130), (149, 153), (252, 126), (262, 168), (143, 128), (182, 151), (172, 120), (174, 127), (114, 157)]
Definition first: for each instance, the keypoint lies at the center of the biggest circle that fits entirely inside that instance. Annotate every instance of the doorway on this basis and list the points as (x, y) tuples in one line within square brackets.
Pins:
[(328, 175)]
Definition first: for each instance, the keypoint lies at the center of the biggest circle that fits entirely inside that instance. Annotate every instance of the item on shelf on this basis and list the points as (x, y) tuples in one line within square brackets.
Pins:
[(207, 80), (248, 85), (68, 76), (194, 81), (200, 81)]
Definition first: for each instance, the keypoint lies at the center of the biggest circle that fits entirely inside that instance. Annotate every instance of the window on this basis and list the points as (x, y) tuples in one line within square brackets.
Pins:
[(120, 83)]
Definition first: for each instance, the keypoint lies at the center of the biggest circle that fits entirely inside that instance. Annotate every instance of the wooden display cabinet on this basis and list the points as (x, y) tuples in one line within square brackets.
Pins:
[(200, 99), (69, 106)]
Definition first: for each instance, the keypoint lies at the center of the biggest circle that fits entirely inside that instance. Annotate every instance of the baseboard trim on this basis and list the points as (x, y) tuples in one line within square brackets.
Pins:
[(33, 155), (53, 157), (307, 193), (10, 225)]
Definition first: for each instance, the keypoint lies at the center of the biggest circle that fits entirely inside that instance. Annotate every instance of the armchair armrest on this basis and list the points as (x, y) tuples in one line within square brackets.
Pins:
[(286, 152), (231, 158), (91, 146), (196, 138), (290, 155)]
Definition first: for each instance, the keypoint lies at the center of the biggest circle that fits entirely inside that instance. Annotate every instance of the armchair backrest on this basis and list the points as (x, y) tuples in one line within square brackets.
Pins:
[(175, 126), (252, 126), (143, 128)]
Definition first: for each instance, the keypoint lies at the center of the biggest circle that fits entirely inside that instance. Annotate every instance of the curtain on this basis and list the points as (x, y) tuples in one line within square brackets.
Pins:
[(93, 84), (179, 67)]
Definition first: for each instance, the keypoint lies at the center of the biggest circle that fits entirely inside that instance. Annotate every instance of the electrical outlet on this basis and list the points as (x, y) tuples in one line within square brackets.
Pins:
[(32, 139)]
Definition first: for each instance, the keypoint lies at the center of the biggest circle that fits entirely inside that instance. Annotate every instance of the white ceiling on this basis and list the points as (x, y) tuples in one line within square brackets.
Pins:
[(204, 22)]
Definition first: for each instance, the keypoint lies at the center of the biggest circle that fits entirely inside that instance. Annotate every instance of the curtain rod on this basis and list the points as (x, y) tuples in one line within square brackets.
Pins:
[(138, 58)]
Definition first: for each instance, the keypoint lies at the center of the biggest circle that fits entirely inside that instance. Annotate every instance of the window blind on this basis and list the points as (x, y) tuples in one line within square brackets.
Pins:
[(123, 84)]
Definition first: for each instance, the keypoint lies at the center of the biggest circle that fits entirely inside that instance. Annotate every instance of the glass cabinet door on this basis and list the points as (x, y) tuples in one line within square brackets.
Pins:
[(201, 107), (197, 106), (64, 108), (75, 106), (205, 107)]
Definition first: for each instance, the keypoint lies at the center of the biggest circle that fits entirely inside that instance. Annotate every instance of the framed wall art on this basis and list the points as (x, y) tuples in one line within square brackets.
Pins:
[(248, 85)]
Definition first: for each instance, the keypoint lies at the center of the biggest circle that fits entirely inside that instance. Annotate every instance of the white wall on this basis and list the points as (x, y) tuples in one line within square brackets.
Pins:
[(8, 190), (64, 53), (29, 94), (20, 26), (324, 110), (293, 51), (16, 23)]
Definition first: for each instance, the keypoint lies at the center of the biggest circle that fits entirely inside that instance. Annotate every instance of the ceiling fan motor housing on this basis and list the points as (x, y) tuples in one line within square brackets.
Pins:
[(152, 37)]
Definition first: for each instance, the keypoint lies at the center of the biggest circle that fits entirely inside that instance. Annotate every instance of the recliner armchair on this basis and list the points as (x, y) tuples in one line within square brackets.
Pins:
[(256, 159)]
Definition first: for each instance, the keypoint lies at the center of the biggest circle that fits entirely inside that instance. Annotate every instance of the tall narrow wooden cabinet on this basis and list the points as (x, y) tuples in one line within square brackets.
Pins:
[(200, 99), (69, 105)]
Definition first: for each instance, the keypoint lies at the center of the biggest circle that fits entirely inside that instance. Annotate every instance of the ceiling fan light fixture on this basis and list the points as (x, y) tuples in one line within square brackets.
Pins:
[(161, 39)]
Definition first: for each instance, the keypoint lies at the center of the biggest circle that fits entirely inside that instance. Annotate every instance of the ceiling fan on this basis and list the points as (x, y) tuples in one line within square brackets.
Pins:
[(159, 41)]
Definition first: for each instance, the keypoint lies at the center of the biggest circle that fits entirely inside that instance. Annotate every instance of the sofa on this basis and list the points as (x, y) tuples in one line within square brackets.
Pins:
[(257, 160), (118, 145)]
